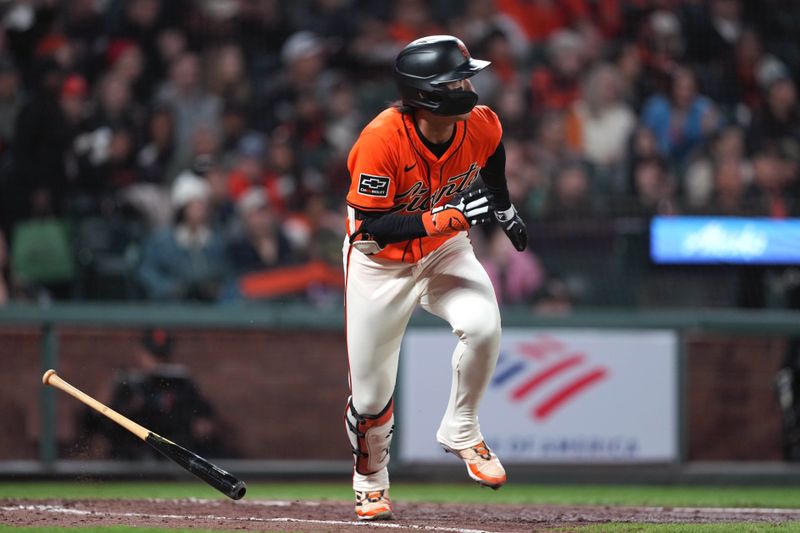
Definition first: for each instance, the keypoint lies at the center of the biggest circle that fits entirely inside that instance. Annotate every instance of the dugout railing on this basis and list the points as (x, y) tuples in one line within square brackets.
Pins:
[(48, 321)]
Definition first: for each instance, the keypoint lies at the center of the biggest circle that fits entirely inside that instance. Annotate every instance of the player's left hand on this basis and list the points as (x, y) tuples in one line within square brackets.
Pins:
[(513, 226), (459, 214)]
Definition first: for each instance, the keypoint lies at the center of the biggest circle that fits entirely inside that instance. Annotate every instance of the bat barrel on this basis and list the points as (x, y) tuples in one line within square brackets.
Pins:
[(238, 491), (226, 483)]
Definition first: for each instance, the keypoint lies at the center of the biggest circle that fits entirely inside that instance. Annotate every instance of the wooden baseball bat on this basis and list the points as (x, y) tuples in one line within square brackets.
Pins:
[(221, 480)]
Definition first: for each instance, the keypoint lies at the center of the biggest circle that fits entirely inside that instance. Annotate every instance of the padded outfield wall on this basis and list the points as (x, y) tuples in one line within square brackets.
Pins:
[(277, 377)]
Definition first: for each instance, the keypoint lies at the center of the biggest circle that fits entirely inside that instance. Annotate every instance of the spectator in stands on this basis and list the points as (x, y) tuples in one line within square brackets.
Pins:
[(250, 171), (306, 129), (185, 261), (480, 20), (372, 48), (115, 107), (84, 24), (5, 293), (335, 21), (713, 29), (512, 109), (730, 196), (411, 19), (542, 19), (727, 149), (778, 123), (643, 145), (775, 175), (43, 150), (162, 396), (654, 189), (155, 159), (736, 81), (141, 23), (570, 197), (261, 243), (191, 105), (126, 63), (222, 207), (262, 27), (203, 148), (314, 232), (630, 67), (662, 45), (682, 120), (233, 126), (11, 99), (551, 150), (557, 85), (527, 184), (105, 145), (227, 75), (516, 277), (601, 122), (343, 119), (155, 168), (294, 180), (55, 45), (172, 44), (304, 60), (496, 47)]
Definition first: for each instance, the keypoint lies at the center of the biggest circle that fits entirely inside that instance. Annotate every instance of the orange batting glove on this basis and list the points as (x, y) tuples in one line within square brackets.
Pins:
[(459, 214)]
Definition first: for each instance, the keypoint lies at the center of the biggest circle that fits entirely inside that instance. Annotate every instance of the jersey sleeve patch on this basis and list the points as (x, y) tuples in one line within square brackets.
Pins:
[(370, 185)]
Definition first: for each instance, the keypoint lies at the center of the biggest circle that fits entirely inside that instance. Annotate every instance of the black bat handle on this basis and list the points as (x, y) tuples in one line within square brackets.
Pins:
[(226, 483)]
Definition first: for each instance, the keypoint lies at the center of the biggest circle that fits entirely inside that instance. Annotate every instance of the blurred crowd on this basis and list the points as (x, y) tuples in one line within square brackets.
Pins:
[(176, 149)]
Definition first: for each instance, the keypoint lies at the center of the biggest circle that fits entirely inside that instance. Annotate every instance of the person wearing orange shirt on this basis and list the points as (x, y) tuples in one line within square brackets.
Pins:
[(541, 18), (410, 205)]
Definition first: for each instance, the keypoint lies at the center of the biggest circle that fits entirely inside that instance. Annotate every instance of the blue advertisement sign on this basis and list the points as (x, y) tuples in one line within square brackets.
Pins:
[(725, 240)]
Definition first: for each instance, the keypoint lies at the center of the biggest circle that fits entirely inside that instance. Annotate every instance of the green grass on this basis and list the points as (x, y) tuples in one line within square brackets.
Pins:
[(729, 527), (679, 496)]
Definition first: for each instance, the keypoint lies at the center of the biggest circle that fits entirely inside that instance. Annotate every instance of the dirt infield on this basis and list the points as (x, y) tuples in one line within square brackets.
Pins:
[(317, 516)]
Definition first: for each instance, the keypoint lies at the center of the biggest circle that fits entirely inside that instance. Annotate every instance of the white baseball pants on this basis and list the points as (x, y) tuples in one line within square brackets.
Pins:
[(380, 298)]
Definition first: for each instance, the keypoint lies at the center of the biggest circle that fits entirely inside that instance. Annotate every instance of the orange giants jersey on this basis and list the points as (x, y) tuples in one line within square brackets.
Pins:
[(391, 170)]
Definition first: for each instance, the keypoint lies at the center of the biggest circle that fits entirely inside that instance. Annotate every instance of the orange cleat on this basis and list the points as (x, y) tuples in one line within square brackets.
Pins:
[(373, 505), (482, 465)]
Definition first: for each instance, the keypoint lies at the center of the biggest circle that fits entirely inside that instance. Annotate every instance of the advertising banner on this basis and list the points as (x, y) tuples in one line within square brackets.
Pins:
[(724, 240), (556, 396)]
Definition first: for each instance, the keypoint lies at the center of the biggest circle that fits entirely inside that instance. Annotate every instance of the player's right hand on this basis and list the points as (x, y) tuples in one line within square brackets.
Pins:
[(459, 214), (514, 227)]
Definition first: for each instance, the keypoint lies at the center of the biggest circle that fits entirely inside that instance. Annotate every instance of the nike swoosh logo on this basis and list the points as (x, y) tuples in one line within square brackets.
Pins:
[(409, 168)]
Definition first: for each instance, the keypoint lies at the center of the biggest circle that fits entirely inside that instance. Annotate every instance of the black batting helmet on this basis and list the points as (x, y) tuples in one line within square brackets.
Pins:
[(425, 66)]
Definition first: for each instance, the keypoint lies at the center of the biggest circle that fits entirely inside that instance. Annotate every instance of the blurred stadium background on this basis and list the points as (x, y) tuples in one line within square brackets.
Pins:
[(653, 150)]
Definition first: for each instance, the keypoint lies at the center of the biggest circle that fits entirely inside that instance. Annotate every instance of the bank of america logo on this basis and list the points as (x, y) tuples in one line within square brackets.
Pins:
[(529, 368)]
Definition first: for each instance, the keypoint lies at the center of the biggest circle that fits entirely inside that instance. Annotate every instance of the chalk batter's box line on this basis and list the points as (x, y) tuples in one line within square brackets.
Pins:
[(67, 511)]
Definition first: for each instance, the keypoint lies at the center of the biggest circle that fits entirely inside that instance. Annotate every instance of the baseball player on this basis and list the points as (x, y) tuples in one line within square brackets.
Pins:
[(409, 207)]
